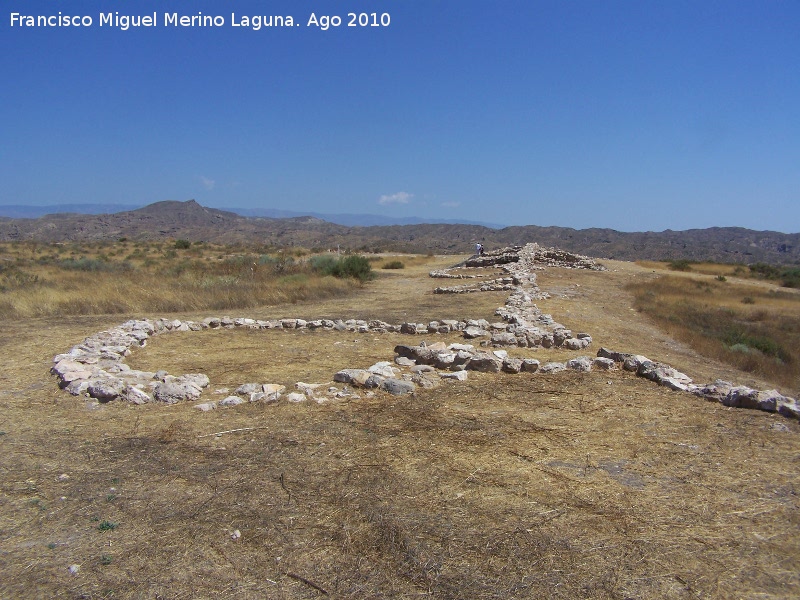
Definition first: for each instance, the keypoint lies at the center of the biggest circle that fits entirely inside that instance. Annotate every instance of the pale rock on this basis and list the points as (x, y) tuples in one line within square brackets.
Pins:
[(77, 387), (198, 379), (530, 365), (504, 339), (788, 407), (576, 343), (273, 388), (134, 395), (582, 364), (474, 332), (461, 348), (384, 369), (398, 387), (445, 360), (264, 397), (170, 392), (457, 375), (106, 389), (231, 401), (604, 364), (510, 365), (308, 388), (485, 362), (632, 362)]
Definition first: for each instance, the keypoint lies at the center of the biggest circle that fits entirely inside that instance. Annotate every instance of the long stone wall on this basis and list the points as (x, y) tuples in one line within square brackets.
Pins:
[(96, 367)]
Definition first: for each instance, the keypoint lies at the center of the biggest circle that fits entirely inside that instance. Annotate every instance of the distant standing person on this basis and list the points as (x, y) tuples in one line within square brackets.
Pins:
[(479, 249)]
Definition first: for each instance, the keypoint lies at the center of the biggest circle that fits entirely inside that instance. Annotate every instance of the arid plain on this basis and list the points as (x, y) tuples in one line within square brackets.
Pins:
[(592, 485)]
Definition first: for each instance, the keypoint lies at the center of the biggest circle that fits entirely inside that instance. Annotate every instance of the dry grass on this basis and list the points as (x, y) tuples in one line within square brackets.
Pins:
[(566, 486), (54, 280), (756, 329)]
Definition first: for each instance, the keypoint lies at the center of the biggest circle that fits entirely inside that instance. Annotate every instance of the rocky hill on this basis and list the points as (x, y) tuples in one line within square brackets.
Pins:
[(189, 220)]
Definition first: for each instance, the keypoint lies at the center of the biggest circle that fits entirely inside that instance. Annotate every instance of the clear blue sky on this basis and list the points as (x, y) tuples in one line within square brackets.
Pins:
[(633, 115)]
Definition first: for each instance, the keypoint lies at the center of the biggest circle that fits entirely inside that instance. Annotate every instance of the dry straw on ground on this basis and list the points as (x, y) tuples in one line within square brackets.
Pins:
[(566, 486)]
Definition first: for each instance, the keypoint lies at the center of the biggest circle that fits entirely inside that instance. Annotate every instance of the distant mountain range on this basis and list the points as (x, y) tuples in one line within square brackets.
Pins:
[(19, 211), (189, 220)]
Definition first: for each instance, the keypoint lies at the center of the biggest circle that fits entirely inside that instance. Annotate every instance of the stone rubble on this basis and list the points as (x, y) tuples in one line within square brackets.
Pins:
[(96, 366), (720, 391), (526, 325)]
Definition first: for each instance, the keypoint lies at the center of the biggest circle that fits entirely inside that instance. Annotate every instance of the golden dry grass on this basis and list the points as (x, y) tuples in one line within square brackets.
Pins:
[(753, 327), (39, 280), (565, 486)]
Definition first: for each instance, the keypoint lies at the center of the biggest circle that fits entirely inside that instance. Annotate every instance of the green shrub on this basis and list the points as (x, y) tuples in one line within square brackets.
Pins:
[(736, 338), (107, 526), (765, 271), (394, 264), (722, 278), (791, 278), (748, 300), (356, 267), (182, 244), (324, 264), (93, 265), (680, 265)]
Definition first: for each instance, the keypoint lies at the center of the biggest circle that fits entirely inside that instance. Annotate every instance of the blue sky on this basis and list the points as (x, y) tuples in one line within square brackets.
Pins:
[(630, 115)]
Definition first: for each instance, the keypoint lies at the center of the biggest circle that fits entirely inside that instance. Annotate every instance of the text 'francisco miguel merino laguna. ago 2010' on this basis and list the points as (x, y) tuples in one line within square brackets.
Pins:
[(255, 22)]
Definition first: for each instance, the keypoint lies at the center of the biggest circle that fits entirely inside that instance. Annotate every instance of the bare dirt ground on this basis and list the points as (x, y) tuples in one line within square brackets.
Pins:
[(597, 485)]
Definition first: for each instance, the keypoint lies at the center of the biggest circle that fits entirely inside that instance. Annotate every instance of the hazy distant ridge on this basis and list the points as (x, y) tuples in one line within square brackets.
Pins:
[(190, 220), (19, 211)]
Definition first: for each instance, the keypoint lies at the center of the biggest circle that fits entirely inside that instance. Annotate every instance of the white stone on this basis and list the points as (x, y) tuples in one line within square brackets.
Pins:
[(457, 375), (231, 401)]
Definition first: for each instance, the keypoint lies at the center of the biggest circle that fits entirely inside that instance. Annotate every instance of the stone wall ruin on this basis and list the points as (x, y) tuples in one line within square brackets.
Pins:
[(96, 367)]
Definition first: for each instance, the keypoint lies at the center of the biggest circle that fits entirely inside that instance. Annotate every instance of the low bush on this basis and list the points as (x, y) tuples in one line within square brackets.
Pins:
[(791, 278), (93, 265), (356, 267), (680, 265), (788, 276), (394, 264)]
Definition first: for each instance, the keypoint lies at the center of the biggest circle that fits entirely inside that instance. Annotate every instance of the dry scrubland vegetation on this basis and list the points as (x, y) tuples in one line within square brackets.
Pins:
[(78, 279), (731, 316), (566, 486)]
